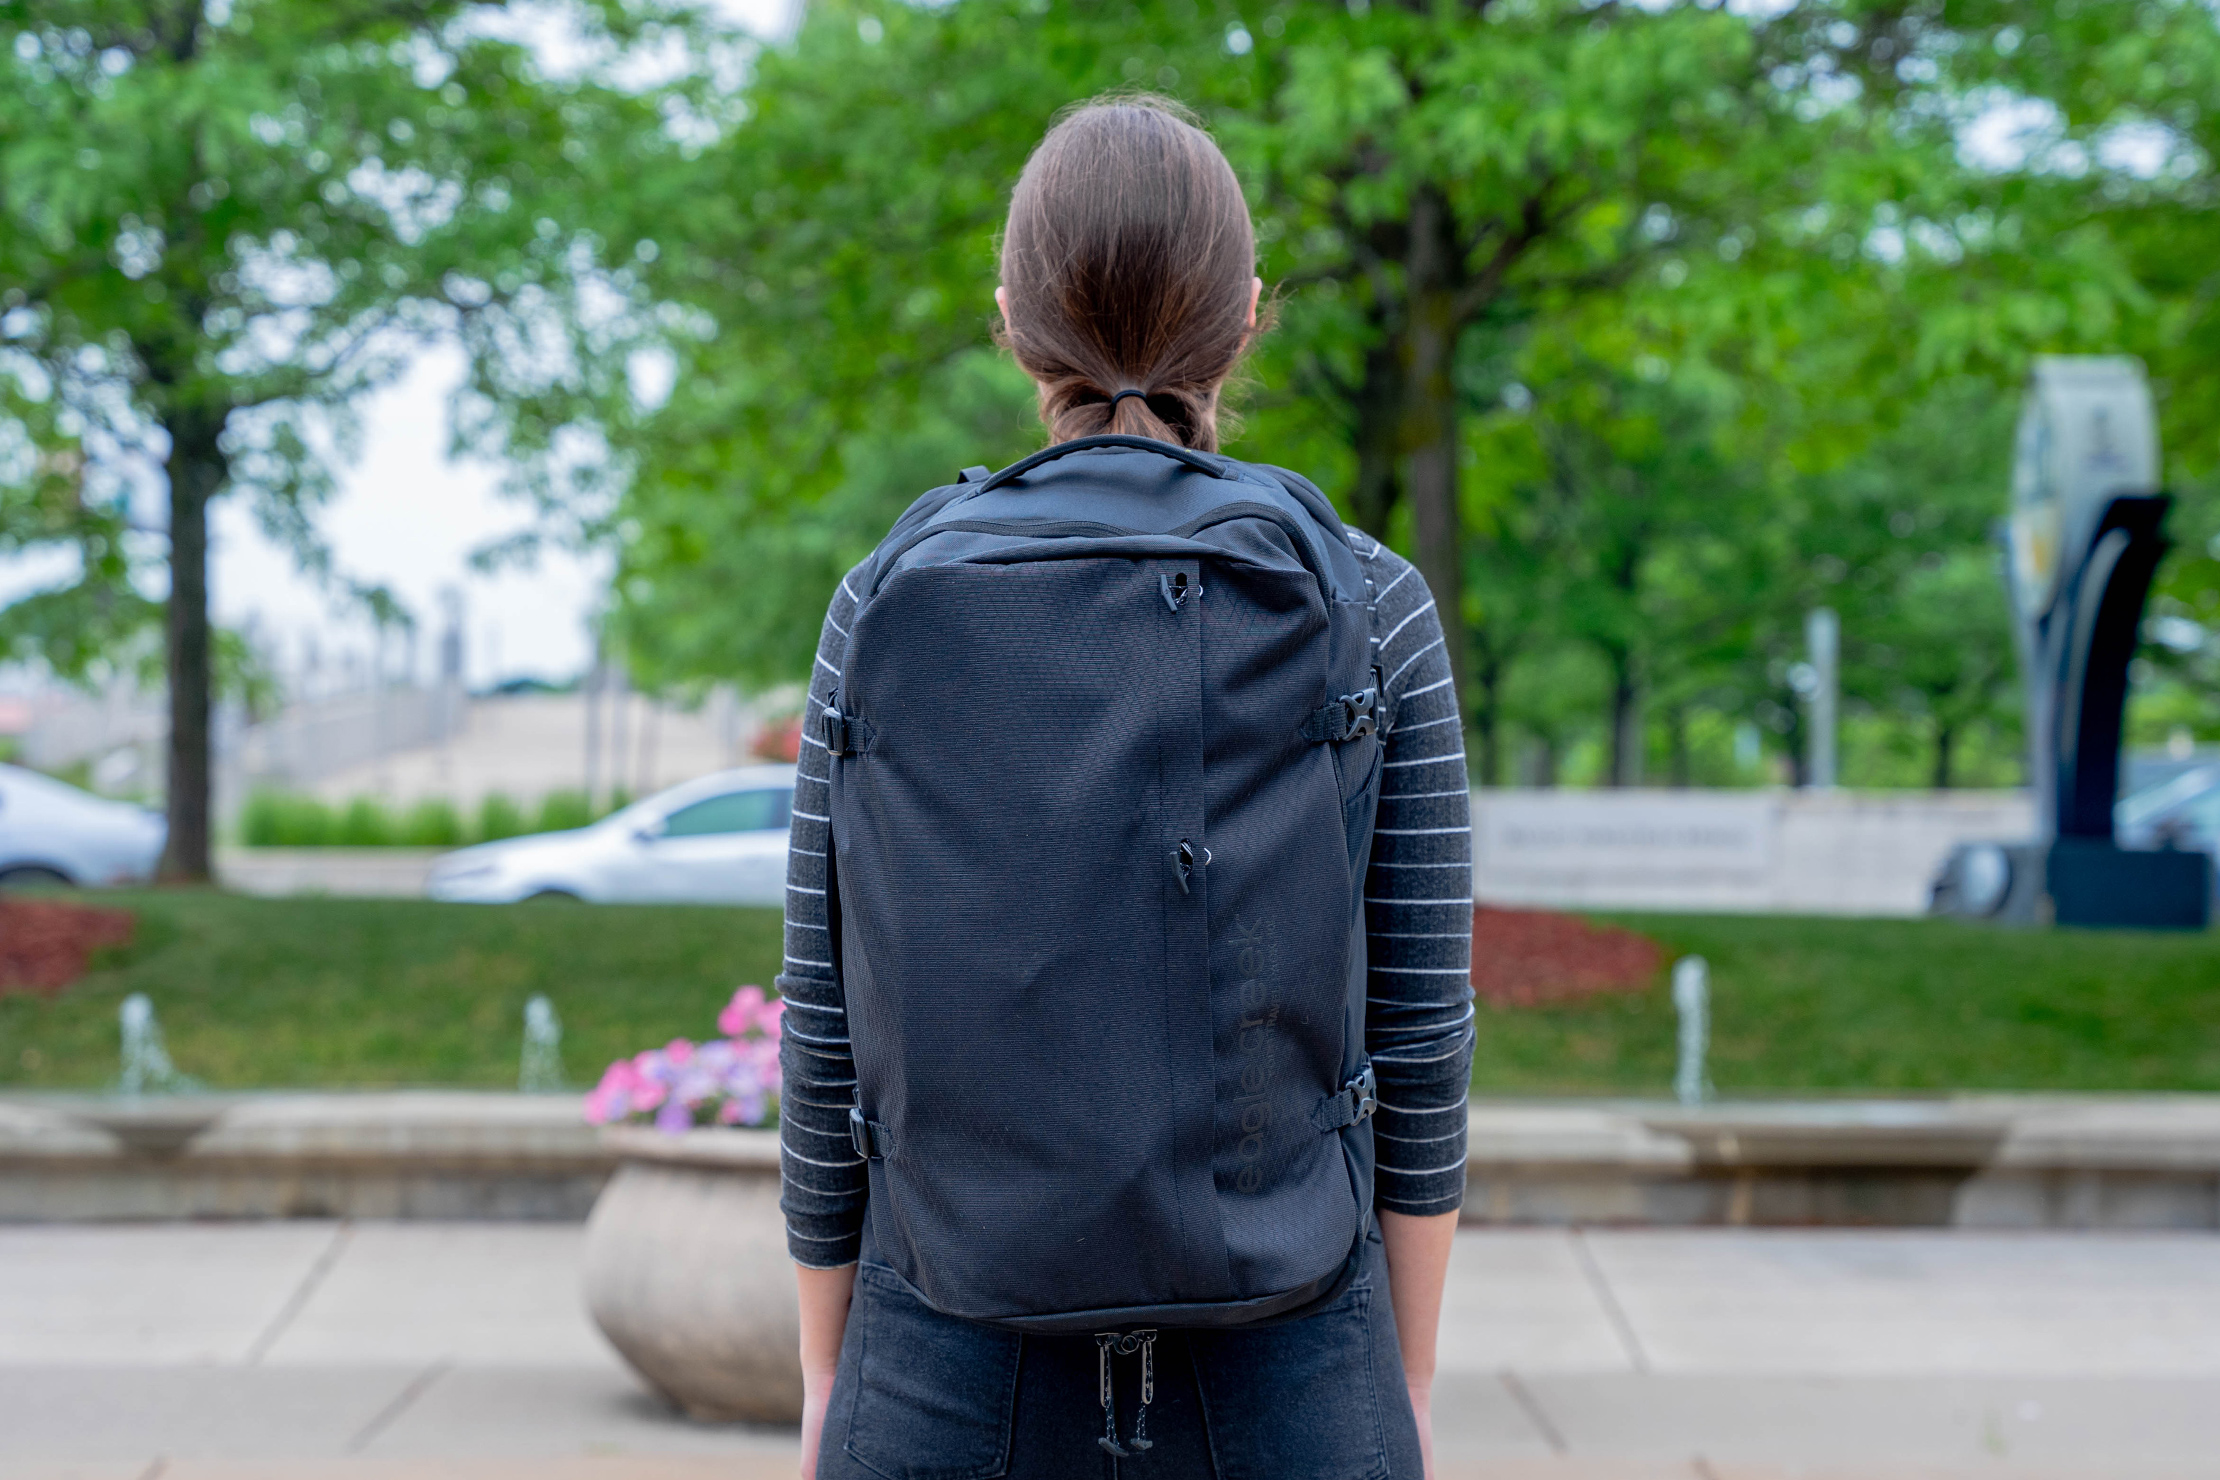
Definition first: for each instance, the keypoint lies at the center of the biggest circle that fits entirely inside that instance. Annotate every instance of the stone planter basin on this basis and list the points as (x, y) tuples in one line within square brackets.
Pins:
[(686, 1272)]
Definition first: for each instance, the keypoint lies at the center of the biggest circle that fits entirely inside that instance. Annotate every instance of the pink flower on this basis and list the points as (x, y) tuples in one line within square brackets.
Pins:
[(741, 1013), (732, 1080)]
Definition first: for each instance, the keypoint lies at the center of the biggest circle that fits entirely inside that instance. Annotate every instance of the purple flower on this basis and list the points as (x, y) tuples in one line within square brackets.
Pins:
[(732, 1080)]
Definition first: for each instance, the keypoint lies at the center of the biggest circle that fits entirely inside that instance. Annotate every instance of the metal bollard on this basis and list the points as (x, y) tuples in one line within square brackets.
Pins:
[(1692, 1000)]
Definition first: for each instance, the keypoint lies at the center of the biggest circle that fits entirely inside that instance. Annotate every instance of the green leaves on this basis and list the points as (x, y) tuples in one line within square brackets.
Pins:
[(1679, 286), (221, 209), (220, 224)]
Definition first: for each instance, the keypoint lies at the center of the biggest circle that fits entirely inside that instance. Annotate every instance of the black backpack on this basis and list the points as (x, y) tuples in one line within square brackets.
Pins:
[(1105, 761)]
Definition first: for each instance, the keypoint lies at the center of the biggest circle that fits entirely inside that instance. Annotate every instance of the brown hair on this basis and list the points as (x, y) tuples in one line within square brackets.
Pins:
[(1127, 265)]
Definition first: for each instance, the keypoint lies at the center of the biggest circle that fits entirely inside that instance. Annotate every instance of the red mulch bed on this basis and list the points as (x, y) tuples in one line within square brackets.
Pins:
[(1532, 958), (780, 740), (45, 944)]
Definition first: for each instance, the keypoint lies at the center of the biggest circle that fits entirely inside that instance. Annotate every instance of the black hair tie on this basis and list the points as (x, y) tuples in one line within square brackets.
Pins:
[(1121, 395)]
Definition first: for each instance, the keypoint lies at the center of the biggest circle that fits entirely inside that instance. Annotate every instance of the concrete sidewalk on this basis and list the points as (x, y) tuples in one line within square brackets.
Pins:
[(377, 1351)]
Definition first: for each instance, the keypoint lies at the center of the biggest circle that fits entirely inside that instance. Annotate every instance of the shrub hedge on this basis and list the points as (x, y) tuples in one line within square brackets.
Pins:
[(284, 819)]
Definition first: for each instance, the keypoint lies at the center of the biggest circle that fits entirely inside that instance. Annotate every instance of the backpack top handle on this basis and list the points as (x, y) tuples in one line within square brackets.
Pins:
[(1200, 461)]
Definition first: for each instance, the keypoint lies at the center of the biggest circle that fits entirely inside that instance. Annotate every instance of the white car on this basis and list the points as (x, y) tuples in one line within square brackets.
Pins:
[(720, 839), (52, 833)]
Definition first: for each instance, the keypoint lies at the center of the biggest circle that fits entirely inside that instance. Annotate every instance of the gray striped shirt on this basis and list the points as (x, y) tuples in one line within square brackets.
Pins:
[(1418, 918)]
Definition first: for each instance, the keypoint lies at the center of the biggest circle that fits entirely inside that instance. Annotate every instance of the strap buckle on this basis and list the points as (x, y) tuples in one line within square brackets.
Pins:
[(1363, 708), (1364, 1092), (845, 734), (1350, 717), (1353, 1104), (867, 1136)]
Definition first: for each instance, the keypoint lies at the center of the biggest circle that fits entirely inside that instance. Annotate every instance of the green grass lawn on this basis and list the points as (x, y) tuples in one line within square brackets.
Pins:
[(259, 993), (1857, 1005)]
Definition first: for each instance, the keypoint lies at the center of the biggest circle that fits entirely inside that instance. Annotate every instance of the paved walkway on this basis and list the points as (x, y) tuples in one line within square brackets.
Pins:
[(378, 1351)]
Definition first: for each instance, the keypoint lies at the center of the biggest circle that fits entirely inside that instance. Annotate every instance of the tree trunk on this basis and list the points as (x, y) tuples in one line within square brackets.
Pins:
[(1545, 761), (1378, 403), (1487, 711), (196, 471), (1792, 740), (1626, 722), (1946, 742), (1429, 439)]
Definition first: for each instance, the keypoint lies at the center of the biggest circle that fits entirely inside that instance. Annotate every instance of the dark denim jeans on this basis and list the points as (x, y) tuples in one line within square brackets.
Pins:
[(924, 1396)]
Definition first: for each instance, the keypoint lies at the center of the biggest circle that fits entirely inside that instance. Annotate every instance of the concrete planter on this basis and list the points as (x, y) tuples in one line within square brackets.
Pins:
[(686, 1272)]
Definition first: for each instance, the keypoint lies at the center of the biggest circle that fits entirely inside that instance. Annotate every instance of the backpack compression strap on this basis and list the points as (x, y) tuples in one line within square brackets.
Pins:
[(871, 1139), (1350, 717), (1356, 1101)]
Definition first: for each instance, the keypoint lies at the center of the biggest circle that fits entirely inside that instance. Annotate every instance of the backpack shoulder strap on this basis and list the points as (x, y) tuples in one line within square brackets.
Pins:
[(1306, 493), (1342, 551), (923, 508)]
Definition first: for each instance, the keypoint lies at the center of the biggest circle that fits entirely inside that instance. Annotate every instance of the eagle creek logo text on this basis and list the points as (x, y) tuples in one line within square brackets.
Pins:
[(1260, 1015)]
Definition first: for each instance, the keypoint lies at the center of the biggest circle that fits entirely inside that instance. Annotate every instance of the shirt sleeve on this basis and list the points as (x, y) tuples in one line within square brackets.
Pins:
[(823, 1188), (1419, 1022)]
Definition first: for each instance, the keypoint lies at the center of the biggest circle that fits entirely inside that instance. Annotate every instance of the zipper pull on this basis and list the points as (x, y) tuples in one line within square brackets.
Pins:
[(1105, 1341), (1185, 863)]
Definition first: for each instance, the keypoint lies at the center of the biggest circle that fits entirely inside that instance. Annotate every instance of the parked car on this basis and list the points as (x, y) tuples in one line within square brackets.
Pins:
[(720, 839), (52, 833), (2180, 812)]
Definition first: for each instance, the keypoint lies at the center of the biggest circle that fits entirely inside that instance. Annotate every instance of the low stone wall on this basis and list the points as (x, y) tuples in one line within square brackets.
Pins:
[(401, 1155), (1969, 1161), (356, 873), (1965, 1162), (1827, 853)]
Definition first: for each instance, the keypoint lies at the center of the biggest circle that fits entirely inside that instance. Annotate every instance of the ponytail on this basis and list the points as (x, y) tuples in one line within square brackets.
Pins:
[(1128, 267)]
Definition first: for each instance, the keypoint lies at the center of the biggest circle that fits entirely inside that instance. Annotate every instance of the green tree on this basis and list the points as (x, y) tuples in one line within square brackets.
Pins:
[(2155, 69), (831, 286), (1437, 178), (221, 222), (772, 561), (1639, 482), (1900, 543), (1427, 178), (91, 620), (1772, 218)]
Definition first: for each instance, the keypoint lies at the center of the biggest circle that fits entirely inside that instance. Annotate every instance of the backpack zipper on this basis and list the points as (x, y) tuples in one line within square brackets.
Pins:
[(1050, 529)]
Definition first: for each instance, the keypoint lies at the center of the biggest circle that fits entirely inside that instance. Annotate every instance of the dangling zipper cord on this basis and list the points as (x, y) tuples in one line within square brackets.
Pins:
[(1148, 1389), (1107, 1343)]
